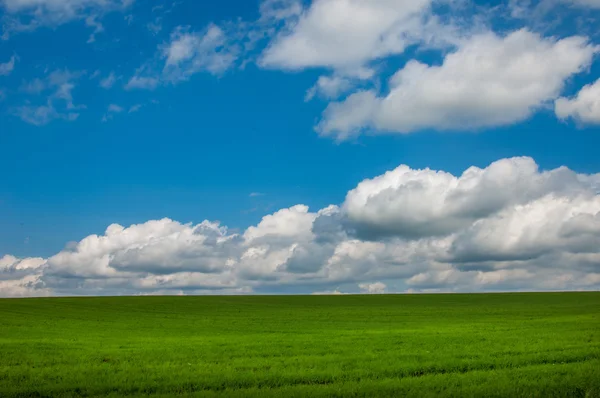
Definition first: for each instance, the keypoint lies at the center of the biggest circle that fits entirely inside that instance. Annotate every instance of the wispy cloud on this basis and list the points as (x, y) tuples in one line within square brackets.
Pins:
[(111, 111), (92, 21), (7, 67), (156, 26), (115, 108), (35, 86), (58, 88), (135, 108), (142, 83), (108, 81), (29, 15), (186, 54), (42, 114)]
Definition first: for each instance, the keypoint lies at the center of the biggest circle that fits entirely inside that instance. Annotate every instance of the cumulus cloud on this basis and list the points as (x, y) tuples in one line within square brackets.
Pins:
[(347, 118), (419, 203), (329, 87), (11, 263), (516, 278), (508, 226), (328, 293), (21, 277), (372, 288), (346, 34), (584, 107), (292, 224), (161, 246), (553, 223), (489, 81)]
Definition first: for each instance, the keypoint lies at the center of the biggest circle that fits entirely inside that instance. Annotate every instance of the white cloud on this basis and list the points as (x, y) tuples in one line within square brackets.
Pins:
[(416, 203), (113, 108), (111, 111), (537, 12), (108, 81), (41, 115), (329, 87), (508, 226), (92, 22), (142, 82), (372, 288), (563, 223), (458, 279), (294, 223), (160, 246), (21, 277), (58, 8), (192, 52), (27, 286), (489, 81), (345, 119), (135, 108), (64, 92), (28, 15), (275, 16), (346, 34), (58, 86), (583, 3), (187, 53), (280, 10), (328, 293), (7, 67), (35, 86), (12, 263), (156, 26), (583, 107)]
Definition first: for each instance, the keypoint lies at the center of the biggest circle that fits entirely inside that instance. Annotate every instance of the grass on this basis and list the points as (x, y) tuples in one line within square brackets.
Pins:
[(492, 345)]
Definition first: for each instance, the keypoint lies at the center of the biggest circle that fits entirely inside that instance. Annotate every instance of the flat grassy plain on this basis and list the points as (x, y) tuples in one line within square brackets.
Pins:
[(492, 345)]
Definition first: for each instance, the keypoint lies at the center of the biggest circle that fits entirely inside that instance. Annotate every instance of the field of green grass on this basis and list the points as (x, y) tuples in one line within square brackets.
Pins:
[(492, 345)]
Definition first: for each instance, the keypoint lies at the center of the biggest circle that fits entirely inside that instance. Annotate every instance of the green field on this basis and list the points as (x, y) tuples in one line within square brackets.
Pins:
[(505, 345)]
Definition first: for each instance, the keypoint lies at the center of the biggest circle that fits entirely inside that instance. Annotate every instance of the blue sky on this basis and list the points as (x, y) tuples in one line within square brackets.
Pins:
[(123, 112)]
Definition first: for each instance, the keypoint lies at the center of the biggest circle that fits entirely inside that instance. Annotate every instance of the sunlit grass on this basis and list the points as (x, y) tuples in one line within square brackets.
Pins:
[(393, 345)]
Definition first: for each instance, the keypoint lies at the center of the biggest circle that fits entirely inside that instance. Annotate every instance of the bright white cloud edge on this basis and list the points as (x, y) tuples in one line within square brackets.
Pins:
[(584, 107), (488, 81)]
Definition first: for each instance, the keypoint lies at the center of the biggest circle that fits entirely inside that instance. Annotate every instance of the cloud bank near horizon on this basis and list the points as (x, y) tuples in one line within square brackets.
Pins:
[(509, 226)]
